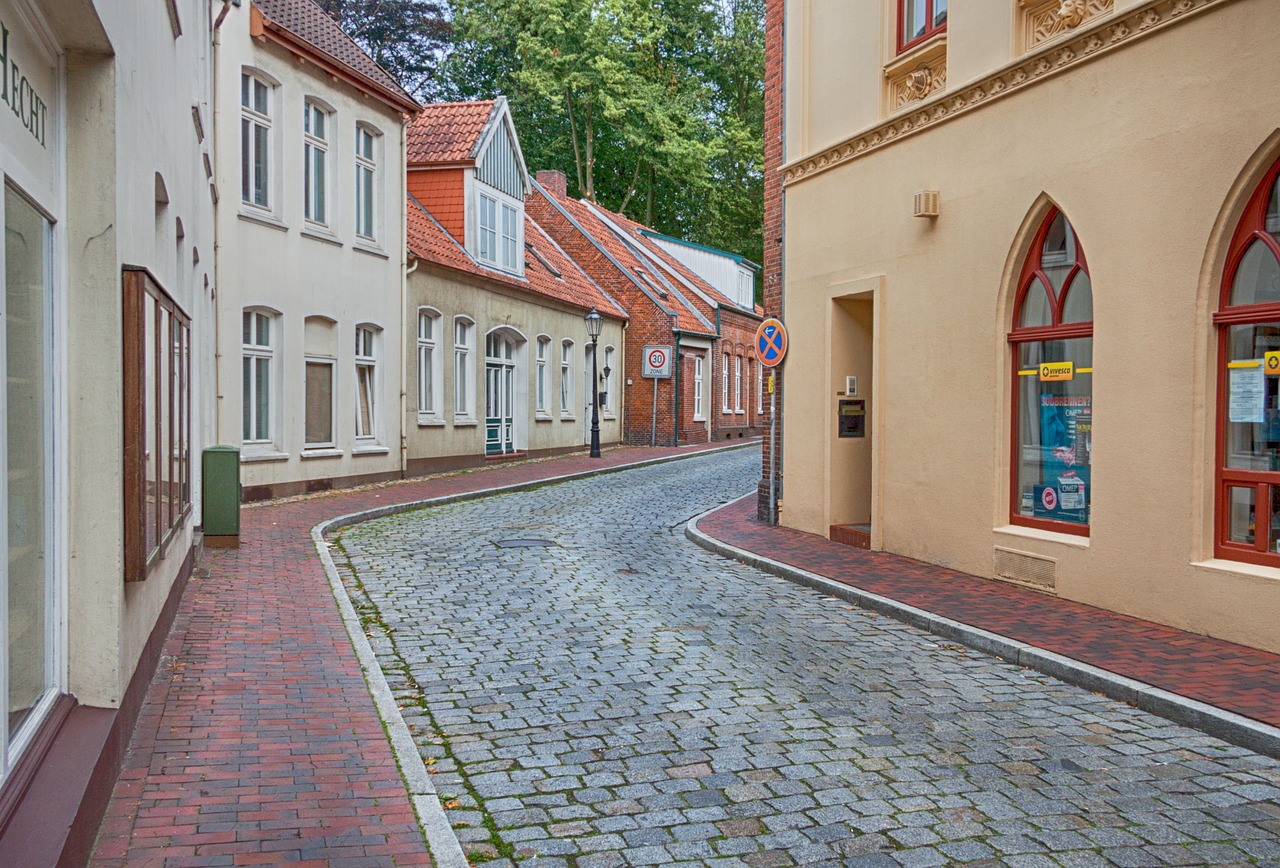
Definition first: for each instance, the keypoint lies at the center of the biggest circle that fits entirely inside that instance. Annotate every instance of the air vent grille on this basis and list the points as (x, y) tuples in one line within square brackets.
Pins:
[(1028, 570), (927, 203)]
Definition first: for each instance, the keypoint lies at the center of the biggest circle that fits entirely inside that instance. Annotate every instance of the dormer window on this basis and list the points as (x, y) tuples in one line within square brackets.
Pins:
[(499, 231)]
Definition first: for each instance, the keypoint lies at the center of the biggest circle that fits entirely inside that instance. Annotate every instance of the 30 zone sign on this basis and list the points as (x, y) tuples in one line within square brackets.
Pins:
[(657, 363)]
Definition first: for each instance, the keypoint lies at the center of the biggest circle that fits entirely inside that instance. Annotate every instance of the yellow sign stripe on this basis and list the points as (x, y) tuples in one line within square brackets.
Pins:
[(1245, 363), (1036, 372)]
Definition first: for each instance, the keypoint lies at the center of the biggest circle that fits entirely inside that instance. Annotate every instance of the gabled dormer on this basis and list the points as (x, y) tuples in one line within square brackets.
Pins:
[(466, 168)]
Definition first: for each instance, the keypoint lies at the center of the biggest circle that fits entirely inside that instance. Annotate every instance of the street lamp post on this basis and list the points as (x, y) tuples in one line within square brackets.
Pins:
[(594, 322)]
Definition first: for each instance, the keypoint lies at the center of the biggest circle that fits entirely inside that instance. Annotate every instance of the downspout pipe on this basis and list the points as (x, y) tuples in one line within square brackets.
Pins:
[(676, 440)]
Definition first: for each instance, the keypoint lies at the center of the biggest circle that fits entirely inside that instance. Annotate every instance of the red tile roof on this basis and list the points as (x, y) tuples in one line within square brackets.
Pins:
[(448, 132), (688, 317), (428, 241), (309, 23)]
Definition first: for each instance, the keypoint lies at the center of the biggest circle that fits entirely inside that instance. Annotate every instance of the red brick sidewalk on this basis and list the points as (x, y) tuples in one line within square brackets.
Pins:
[(258, 742), (1232, 677)]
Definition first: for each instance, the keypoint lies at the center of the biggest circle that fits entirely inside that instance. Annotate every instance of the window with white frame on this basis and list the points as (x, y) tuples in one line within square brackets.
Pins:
[(737, 384), (488, 228), (366, 382), (318, 398), (428, 362), (255, 141), (510, 237), (258, 357), (697, 389), (499, 233), (366, 183), (724, 383), (463, 384), (566, 378), (315, 166), (610, 402), (544, 350)]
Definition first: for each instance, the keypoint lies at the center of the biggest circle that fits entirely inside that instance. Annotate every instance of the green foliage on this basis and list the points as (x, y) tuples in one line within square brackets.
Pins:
[(408, 38)]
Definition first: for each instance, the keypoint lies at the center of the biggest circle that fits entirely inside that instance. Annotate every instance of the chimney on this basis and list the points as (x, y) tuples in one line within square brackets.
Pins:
[(555, 182)]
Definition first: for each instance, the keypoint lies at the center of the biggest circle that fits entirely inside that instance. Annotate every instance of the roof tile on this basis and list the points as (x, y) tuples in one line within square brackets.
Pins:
[(447, 132)]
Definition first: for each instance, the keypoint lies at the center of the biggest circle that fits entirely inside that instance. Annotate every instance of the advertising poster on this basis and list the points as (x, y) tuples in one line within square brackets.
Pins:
[(1066, 443), (1247, 393)]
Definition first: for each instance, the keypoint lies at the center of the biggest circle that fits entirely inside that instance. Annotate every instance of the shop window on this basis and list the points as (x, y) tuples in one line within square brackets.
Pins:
[(366, 383), (157, 421), (566, 379), (366, 182), (1052, 339), (256, 95), (315, 165), (1248, 320), (918, 20), (428, 363)]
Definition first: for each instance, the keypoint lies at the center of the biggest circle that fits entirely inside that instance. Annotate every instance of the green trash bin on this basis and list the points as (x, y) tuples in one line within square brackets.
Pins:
[(221, 496)]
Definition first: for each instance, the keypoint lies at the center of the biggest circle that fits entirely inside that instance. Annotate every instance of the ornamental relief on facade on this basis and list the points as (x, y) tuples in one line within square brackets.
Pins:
[(1044, 20), (918, 83)]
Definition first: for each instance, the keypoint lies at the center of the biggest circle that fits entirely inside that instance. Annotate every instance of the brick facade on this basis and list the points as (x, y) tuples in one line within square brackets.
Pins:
[(773, 227)]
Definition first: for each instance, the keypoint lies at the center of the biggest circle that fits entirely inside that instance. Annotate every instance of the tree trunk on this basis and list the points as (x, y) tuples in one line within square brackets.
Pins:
[(573, 134), (631, 189)]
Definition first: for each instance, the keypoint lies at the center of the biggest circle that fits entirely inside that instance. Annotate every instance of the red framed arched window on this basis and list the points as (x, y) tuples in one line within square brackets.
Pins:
[(1052, 338), (1248, 320)]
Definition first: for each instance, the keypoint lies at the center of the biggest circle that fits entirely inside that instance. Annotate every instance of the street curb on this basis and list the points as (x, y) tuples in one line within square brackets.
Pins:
[(1210, 719), (446, 850)]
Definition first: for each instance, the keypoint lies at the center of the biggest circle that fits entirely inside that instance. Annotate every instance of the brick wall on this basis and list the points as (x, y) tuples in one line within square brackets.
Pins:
[(737, 333), (773, 209)]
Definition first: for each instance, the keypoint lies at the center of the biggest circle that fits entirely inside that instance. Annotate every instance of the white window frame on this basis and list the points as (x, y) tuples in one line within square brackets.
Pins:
[(566, 380), (698, 415), (724, 383), (737, 384), (331, 443), (315, 162), (254, 353), (256, 118), (542, 382), (499, 238), (430, 386), (609, 399), (366, 363), (367, 183), (464, 375)]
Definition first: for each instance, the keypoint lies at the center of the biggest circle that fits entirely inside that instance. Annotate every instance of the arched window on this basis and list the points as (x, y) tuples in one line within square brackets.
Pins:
[(1248, 319), (1052, 338)]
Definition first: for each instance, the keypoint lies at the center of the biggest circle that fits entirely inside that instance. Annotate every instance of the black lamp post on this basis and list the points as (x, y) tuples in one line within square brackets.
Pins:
[(594, 322)]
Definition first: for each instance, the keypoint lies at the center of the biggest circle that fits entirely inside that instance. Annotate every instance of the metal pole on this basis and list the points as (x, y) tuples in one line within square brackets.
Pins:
[(653, 433), (773, 448), (595, 403)]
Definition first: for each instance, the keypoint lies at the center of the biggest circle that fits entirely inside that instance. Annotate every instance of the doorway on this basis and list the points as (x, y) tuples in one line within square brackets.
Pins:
[(500, 376)]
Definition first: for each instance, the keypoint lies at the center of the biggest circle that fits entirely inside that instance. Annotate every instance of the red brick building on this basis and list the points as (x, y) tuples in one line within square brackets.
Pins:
[(715, 389), (773, 235)]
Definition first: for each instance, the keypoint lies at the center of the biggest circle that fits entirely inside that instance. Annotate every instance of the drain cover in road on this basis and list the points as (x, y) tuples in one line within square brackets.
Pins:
[(523, 543)]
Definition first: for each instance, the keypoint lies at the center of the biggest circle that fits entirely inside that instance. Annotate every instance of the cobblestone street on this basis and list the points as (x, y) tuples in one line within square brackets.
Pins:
[(591, 689)]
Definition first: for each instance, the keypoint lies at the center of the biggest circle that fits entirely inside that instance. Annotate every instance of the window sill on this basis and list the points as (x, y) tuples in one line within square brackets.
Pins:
[(370, 249), (1070, 539), (464, 422), (564, 418), (930, 49), (1238, 568), (320, 234), (253, 456), (321, 452), (263, 218), (699, 418), (369, 449), (542, 417), (739, 412), (430, 422), (609, 417)]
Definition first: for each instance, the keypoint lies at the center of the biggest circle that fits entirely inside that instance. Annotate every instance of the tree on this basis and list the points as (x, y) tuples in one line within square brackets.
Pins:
[(407, 38)]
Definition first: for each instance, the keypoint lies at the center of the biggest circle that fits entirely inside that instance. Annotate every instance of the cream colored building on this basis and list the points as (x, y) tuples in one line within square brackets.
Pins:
[(942, 167), (311, 252)]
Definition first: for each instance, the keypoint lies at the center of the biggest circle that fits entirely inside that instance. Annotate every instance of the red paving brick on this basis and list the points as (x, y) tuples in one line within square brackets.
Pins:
[(258, 739), (1233, 677)]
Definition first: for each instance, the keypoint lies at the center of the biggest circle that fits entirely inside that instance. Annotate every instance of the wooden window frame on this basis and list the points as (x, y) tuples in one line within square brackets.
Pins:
[(366, 364), (250, 114), (931, 30), (1031, 270), (463, 402), (540, 394), (698, 410), (567, 401), (315, 148), (367, 183), (172, 396), (1252, 227)]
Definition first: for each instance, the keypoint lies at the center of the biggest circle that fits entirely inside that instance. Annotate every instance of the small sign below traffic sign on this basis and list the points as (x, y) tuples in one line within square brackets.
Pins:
[(657, 363), (771, 342)]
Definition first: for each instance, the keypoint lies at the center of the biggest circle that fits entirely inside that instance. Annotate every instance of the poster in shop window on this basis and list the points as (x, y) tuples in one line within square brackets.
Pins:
[(1247, 393), (1066, 442)]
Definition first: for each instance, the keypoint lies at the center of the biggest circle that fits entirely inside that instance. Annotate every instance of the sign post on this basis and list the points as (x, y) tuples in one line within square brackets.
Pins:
[(771, 347), (656, 365)]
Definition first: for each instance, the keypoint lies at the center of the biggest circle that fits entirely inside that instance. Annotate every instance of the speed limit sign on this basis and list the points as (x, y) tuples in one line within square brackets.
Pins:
[(657, 363)]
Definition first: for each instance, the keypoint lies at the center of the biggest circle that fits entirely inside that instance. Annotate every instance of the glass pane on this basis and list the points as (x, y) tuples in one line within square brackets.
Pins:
[(28, 338), (426, 379), (319, 403), (262, 399), (151, 408), (260, 96), (1079, 304), (1257, 277), (163, 374), (939, 12), (1253, 403), (913, 19), (1273, 533), (364, 420), (1240, 515), (320, 191), (1273, 211), (1036, 308), (246, 389), (317, 125), (246, 327), (308, 200), (244, 90), (260, 165), (246, 161), (264, 329), (1054, 432)]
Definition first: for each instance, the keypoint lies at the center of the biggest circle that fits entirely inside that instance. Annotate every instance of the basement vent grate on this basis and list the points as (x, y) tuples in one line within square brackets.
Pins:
[(1021, 568)]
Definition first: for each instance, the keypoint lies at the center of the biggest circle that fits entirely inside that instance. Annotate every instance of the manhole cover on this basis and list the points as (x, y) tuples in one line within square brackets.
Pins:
[(523, 543)]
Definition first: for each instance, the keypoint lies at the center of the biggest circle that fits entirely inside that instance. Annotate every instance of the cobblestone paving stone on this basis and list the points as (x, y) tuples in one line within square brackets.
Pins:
[(621, 697)]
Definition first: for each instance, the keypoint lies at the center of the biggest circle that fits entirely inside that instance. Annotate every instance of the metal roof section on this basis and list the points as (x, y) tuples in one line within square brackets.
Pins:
[(741, 260)]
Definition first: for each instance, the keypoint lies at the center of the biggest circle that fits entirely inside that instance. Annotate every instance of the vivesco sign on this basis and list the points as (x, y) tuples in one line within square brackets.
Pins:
[(19, 93)]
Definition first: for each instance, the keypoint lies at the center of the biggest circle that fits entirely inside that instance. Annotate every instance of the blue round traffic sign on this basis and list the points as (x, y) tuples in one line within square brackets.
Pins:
[(771, 342)]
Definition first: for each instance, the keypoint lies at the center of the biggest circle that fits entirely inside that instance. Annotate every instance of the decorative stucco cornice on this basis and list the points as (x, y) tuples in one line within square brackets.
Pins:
[(1090, 41)]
